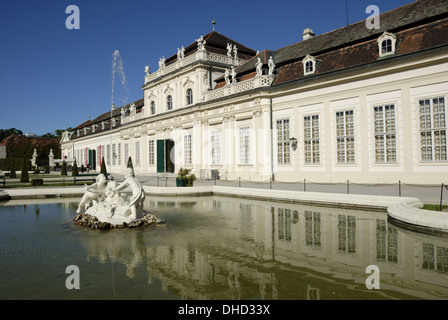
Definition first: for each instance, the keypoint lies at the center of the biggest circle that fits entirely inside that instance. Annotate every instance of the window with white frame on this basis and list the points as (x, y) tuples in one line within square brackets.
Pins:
[(385, 134), (119, 154), (169, 102), (151, 152), (245, 145), (387, 44), (153, 107), (311, 139), (114, 154), (187, 149), (216, 147), (309, 65), (137, 153), (346, 233), (386, 241), (108, 154), (283, 148), (433, 142), (126, 152), (345, 136), (189, 96), (313, 229)]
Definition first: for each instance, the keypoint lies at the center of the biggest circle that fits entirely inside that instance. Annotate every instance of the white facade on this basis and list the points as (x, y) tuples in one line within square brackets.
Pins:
[(379, 122)]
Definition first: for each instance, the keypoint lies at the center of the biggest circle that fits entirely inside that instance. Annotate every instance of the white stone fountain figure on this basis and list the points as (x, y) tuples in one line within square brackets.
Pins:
[(103, 200)]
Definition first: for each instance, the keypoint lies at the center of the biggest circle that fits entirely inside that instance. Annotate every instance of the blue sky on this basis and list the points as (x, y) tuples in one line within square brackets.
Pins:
[(52, 78)]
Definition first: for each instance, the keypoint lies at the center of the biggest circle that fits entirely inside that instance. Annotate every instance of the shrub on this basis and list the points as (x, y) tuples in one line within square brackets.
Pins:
[(64, 169), (75, 169), (37, 182), (12, 171), (24, 175), (103, 167)]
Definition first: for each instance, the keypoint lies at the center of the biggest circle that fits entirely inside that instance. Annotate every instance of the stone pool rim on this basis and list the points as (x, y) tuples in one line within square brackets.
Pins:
[(404, 210)]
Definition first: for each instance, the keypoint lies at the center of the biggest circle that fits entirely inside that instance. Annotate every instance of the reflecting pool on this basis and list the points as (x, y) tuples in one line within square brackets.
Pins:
[(217, 248)]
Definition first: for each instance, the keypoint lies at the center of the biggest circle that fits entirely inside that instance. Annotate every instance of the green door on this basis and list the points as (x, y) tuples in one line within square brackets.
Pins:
[(160, 155), (169, 156)]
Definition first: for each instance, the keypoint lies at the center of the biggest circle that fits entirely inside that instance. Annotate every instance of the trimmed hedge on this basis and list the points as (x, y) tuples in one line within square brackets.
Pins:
[(37, 182)]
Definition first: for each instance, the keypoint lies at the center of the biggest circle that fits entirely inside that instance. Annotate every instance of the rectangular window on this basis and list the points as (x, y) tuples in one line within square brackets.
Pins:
[(385, 135), (187, 149), (345, 135), (98, 155), (284, 224), (283, 149), (114, 154), (434, 257), (151, 152), (216, 147), (119, 154), (311, 139), (108, 155), (346, 234), (126, 152), (313, 229), (245, 145), (433, 129), (137, 153), (386, 242)]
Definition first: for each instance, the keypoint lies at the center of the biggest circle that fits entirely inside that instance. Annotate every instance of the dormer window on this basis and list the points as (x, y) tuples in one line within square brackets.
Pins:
[(387, 44), (309, 65)]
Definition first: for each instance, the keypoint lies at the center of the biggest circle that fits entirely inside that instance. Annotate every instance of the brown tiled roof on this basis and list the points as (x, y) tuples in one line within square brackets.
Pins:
[(216, 43), (419, 25), (116, 113)]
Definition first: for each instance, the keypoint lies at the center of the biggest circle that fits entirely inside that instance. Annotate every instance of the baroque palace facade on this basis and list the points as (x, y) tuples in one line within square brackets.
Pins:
[(355, 103)]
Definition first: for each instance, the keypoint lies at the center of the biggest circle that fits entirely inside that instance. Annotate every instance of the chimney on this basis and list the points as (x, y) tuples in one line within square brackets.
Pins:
[(307, 34)]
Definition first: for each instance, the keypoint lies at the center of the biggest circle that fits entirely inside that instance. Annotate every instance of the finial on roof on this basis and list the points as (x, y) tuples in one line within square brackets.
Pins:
[(213, 22)]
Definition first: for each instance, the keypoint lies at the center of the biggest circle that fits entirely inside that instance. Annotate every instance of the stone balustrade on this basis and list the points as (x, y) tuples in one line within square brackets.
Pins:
[(256, 82), (199, 55)]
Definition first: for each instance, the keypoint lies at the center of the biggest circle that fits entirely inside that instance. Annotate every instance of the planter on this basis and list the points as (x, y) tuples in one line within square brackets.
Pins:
[(181, 182)]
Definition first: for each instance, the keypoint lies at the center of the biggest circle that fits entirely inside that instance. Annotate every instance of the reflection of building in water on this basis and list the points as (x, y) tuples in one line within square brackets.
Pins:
[(244, 249)]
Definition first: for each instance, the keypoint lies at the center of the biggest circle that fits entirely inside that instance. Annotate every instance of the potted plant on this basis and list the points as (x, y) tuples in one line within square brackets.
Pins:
[(184, 178)]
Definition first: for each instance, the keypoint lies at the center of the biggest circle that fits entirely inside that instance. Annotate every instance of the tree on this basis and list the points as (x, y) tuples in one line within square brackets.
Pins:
[(103, 167), (4, 133), (12, 171), (48, 135), (75, 169), (129, 165), (24, 177), (64, 169)]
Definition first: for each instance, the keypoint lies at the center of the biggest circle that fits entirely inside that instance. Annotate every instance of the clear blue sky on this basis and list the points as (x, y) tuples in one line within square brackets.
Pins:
[(52, 77)]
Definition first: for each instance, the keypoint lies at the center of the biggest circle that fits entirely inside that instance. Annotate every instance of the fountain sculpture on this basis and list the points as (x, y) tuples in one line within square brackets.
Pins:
[(105, 208)]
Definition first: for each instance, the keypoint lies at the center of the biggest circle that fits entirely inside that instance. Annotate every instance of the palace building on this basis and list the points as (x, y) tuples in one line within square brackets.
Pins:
[(357, 103)]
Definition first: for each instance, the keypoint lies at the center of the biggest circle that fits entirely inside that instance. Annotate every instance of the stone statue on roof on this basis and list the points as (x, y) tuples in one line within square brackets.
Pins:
[(147, 70), (201, 43), (182, 52), (226, 76), (229, 49), (233, 75), (259, 66), (271, 66), (162, 63)]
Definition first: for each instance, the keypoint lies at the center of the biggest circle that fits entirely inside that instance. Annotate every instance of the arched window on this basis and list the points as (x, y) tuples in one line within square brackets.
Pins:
[(169, 102), (153, 107), (189, 96)]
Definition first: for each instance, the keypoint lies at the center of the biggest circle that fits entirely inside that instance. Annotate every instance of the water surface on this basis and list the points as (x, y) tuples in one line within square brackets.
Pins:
[(217, 248)]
